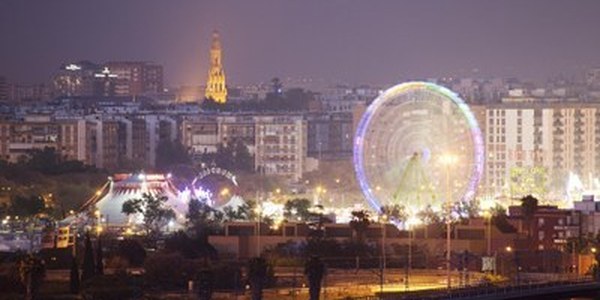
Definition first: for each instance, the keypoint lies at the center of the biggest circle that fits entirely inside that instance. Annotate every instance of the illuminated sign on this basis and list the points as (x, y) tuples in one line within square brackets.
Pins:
[(216, 171)]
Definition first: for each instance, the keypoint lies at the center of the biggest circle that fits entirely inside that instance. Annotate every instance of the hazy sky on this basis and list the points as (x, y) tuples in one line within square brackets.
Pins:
[(352, 41)]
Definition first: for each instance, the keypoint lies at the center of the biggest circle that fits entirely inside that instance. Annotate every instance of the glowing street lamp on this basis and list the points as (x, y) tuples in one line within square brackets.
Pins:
[(224, 192), (382, 221), (410, 224), (448, 160)]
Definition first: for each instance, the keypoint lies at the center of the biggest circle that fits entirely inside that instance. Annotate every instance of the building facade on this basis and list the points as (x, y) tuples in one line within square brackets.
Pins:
[(134, 78), (281, 146), (554, 139)]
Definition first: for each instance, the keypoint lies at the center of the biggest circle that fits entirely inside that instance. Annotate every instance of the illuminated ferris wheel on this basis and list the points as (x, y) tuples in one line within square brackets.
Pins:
[(418, 145)]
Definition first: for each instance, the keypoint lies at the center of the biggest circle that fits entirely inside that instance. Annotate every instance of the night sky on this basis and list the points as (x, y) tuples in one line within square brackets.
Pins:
[(342, 41)]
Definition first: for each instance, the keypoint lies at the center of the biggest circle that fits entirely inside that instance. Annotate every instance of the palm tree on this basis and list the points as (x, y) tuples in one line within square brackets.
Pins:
[(257, 276), (88, 260), (314, 269), (99, 258), (529, 205), (359, 224), (31, 273)]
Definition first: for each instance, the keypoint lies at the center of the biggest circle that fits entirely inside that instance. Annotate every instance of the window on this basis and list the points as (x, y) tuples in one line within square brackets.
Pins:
[(540, 222), (541, 235)]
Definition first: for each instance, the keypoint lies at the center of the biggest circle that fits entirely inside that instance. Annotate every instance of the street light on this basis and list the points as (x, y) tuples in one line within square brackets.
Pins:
[(411, 223), (258, 211), (448, 160), (383, 220), (487, 215)]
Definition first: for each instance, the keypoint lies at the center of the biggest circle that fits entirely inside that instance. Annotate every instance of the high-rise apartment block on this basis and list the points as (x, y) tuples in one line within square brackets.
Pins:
[(76, 79), (127, 78), (103, 141), (559, 138), (280, 147), (136, 78)]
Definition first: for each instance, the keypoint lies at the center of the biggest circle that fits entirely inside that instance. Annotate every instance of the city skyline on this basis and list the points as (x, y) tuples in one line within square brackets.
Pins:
[(334, 41)]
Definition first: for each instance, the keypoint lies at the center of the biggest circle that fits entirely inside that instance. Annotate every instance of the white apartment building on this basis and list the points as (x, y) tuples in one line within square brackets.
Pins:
[(560, 137), (281, 145)]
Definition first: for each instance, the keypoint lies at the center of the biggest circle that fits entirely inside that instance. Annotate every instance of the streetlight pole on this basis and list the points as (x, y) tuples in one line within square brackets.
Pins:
[(258, 211), (447, 160), (383, 261), (409, 258), (448, 227)]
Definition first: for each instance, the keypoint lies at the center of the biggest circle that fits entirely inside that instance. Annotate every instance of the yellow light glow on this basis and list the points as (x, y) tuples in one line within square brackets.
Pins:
[(224, 192), (412, 222), (486, 214), (509, 249), (448, 159)]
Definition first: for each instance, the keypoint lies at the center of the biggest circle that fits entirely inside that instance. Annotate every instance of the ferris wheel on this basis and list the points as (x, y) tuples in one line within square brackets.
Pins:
[(418, 145)]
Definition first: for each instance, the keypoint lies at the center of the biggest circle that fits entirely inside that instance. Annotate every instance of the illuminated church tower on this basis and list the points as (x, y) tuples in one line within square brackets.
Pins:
[(215, 85)]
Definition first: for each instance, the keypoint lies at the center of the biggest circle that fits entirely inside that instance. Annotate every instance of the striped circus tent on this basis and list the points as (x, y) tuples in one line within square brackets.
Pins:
[(119, 188)]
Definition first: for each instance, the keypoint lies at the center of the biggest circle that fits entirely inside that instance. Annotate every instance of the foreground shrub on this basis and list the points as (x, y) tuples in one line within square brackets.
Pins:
[(168, 271), (108, 287)]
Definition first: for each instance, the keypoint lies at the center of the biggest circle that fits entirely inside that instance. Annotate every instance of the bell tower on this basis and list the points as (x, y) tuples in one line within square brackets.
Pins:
[(215, 85)]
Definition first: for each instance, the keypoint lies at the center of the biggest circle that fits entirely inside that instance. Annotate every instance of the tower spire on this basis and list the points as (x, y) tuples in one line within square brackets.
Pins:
[(215, 85)]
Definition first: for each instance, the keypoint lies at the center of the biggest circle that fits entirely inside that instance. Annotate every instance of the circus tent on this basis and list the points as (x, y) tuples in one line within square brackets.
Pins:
[(122, 187)]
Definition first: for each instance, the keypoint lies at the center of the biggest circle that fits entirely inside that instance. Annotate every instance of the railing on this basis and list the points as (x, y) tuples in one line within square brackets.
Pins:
[(485, 292)]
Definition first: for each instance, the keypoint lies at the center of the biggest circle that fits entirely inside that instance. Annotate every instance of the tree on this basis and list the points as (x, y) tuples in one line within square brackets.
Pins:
[(170, 153), (74, 282), (49, 162), (99, 258), (242, 159), (429, 216), (314, 269), (191, 248), (133, 251), (359, 224), (224, 157), (257, 276), (27, 206), (156, 214), (88, 260), (240, 213), (500, 220), (31, 274), (202, 219), (206, 283), (297, 209), (395, 212), (529, 205)]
